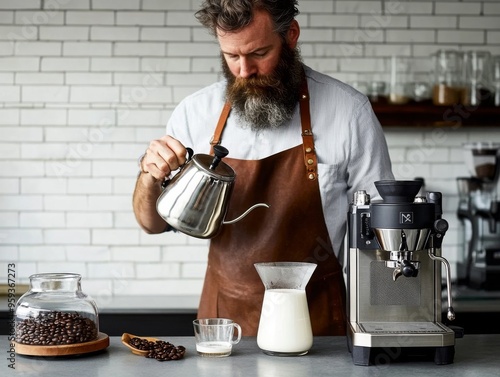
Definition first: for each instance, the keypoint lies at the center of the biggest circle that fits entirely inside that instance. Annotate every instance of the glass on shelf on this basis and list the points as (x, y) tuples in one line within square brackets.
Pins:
[(377, 91), (400, 79), (495, 65), (419, 91), (477, 78), (447, 87)]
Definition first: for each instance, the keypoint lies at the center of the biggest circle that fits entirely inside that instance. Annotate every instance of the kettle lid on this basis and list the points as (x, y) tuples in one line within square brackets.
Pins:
[(222, 171)]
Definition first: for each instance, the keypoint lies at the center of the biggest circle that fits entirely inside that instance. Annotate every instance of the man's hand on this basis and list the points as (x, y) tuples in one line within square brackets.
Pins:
[(163, 156)]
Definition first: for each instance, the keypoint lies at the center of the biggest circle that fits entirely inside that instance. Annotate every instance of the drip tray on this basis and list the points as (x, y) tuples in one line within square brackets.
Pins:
[(402, 328)]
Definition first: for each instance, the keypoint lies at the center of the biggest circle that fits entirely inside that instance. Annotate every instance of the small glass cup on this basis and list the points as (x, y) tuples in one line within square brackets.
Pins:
[(215, 336)]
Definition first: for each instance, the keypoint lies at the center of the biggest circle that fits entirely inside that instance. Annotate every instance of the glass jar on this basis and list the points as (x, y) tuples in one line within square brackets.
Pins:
[(477, 78), (448, 87), (495, 73), (377, 91), (55, 311), (400, 80)]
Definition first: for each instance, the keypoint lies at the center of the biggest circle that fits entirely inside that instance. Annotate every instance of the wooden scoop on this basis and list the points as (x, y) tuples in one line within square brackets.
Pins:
[(126, 337)]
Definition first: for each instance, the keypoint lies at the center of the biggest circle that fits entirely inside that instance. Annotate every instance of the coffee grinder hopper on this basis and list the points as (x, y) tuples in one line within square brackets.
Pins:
[(483, 161)]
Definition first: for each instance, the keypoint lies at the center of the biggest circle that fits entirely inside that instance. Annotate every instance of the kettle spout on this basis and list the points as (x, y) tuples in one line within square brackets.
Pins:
[(246, 213)]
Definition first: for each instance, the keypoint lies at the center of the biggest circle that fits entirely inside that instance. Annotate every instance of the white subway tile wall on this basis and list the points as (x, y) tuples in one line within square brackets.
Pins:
[(85, 85)]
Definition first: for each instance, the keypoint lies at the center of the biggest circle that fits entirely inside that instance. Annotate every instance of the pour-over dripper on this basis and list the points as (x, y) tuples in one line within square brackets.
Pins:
[(285, 275)]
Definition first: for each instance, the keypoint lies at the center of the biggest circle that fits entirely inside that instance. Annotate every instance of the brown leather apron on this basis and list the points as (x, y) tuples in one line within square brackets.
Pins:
[(293, 229)]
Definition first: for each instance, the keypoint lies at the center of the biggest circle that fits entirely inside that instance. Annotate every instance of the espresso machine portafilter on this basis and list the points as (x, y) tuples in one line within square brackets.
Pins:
[(394, 276)]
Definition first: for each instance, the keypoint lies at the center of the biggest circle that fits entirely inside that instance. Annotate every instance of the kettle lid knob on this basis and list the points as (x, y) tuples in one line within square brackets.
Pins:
[(220, 153)]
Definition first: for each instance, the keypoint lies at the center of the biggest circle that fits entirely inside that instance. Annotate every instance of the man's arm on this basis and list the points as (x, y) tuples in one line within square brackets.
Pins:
[(147, 190)]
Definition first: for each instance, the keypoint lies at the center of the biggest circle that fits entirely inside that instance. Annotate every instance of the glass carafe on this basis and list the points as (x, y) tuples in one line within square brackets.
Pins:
[(55, 311), (285, 325)]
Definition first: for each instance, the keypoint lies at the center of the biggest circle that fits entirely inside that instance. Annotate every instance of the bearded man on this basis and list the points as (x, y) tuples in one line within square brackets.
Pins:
[(299, 140)]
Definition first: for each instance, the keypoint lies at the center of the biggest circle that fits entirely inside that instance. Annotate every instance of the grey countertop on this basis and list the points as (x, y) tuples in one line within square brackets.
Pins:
[(476, 355)]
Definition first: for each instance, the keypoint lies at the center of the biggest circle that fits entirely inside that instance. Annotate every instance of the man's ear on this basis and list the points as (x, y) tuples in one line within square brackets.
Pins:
[(292, 35)]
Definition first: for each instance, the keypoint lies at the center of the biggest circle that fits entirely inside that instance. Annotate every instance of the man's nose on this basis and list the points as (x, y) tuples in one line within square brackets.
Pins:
[(247, 68)]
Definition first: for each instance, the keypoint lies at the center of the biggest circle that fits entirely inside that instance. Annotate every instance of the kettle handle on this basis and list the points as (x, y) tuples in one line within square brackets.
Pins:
[(190, 153)]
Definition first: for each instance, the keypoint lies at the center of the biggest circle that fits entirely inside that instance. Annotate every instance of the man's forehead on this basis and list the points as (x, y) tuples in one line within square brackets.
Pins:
[(257, 35), (261, 24)]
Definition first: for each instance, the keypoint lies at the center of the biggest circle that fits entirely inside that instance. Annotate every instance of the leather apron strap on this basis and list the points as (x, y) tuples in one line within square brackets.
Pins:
[(216, 138)]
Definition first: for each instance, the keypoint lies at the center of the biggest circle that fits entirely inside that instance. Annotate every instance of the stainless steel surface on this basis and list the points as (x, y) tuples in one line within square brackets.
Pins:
[(227, 222), (450, 312), (196, 199), (401, 335), (402, 306), (392, 239), (194, 202), (398, 260), (376, 297)]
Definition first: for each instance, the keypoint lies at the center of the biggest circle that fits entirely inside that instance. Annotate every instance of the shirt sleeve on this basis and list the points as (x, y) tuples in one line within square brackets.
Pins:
[(369, 159)]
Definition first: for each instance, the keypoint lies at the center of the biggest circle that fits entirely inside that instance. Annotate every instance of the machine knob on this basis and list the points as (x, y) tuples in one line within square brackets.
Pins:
[(441, 226), (409, 269)]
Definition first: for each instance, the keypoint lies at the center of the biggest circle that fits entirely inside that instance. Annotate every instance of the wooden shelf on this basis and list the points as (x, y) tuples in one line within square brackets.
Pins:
[(425, 114)]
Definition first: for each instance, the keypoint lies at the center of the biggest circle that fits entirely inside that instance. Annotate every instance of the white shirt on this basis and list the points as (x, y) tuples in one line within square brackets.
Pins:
[(349, 141)]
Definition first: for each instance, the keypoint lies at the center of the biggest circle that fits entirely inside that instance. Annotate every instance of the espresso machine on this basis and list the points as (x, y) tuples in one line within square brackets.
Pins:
[(394, 276), (479, 214)]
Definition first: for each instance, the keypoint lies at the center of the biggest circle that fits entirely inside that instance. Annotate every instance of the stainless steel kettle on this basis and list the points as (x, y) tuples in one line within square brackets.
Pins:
[(195, 200)]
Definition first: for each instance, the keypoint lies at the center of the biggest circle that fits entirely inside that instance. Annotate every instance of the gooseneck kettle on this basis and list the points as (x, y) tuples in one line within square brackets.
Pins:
[(195, 200)]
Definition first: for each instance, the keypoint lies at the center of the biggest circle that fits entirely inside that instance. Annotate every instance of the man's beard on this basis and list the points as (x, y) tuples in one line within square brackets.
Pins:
[(267, 101)]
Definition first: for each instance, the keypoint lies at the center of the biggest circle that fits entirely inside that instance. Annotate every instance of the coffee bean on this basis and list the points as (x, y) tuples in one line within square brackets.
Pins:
[(159, 350), (55, 328)]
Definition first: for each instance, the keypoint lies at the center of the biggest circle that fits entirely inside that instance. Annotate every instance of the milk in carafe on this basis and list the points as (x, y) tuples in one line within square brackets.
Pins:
[(285, 326)]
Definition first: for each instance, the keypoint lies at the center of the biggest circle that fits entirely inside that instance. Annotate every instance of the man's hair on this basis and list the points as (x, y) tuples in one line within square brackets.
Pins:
[(233, 15)]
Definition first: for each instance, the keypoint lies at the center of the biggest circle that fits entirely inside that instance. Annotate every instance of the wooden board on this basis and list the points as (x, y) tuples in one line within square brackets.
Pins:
[(100, 343)]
